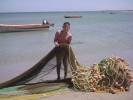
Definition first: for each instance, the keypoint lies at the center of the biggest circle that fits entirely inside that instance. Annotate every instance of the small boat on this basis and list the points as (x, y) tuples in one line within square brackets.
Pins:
[(111, 13), (72, 16), (23, 27)]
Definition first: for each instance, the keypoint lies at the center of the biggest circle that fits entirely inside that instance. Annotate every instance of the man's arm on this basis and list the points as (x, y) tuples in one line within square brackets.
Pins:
[(69, 39), (56, 39)]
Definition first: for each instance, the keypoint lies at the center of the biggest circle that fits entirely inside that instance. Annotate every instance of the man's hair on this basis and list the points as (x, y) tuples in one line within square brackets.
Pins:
[(66, 23)]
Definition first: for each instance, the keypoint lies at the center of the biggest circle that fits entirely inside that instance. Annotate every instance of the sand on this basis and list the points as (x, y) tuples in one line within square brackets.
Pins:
[(70, 94)]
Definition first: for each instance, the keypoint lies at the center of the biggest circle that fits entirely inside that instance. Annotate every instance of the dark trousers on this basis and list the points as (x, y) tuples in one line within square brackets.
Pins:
[(61, 55)]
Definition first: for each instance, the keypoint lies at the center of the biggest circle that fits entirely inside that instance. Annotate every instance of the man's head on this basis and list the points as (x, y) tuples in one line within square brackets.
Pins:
[(66, 26)]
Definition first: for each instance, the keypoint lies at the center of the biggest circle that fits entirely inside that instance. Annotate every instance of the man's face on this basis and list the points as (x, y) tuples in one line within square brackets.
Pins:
[(66, 27)]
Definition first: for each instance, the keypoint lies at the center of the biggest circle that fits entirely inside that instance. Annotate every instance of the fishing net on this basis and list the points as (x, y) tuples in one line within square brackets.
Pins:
[(48, 71), (43, 71), (110, 74)]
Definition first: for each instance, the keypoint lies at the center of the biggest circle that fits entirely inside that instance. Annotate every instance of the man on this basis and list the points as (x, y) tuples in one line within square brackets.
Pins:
[(63, 36), (44, 22)]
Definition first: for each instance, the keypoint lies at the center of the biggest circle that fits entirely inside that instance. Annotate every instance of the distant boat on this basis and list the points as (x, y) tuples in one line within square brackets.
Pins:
[(111, 13), (23, 27), (72, 16)]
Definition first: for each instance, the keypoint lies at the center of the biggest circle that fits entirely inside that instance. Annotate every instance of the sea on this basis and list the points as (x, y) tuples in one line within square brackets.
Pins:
[(95, 36)]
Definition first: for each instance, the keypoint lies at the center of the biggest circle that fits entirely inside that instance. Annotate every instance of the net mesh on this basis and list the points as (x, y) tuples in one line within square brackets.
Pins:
[(110, 74)]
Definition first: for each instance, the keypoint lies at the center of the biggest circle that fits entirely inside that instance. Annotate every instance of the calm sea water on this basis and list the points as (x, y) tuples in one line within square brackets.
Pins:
[(95, 36)]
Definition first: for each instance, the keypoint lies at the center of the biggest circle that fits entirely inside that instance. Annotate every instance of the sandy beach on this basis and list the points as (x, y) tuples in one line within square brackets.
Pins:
[(69, 94)]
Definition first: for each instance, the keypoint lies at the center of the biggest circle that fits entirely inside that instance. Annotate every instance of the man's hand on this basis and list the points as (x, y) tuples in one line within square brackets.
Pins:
[(56, 44)]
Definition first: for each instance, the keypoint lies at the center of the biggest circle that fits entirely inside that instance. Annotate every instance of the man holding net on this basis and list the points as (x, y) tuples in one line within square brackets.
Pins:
[(62, 37)]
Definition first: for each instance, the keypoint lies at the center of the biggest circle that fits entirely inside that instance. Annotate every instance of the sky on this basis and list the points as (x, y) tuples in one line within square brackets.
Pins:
[(63, 5)]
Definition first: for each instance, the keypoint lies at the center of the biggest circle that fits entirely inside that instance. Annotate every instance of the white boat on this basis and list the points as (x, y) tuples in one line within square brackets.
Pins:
[(23, 27)]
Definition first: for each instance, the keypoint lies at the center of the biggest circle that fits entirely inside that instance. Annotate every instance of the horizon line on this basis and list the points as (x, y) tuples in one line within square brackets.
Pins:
[(64, 11)]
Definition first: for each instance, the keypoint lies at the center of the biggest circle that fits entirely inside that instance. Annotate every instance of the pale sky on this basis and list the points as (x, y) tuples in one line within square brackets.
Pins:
[(63, 5)]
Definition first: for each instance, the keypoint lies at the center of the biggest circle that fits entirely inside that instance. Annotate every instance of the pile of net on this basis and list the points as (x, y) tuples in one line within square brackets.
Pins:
[(110, 74)]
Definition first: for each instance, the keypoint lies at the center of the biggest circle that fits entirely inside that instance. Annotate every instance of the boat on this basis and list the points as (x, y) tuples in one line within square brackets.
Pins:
[(72, 16), (23, 27), (111, 13)]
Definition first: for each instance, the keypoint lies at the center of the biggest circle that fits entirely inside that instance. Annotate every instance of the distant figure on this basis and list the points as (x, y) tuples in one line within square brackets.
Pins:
[(45, 22), (61, 37)]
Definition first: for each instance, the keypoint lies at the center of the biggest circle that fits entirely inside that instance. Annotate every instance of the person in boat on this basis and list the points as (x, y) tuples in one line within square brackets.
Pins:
[(62, 37), (44, 22)]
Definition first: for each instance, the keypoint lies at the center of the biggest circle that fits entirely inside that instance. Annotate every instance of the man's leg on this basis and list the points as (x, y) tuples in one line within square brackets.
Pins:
[(58, 66), (65, 63), (58, 61)]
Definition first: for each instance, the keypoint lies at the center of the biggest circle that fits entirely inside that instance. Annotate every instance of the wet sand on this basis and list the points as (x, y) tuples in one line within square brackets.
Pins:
[(70, 94)]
